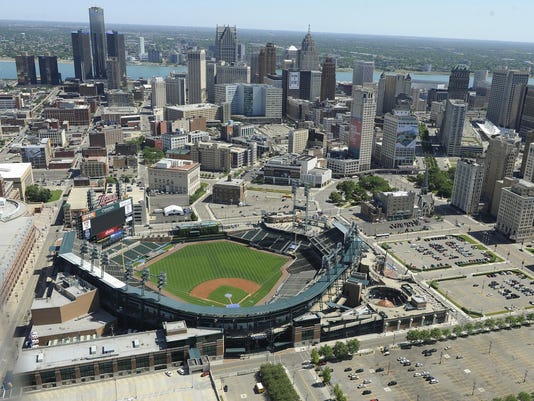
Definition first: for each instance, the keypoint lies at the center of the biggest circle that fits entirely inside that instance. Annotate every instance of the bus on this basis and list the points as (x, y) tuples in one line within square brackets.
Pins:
[(383, 235)]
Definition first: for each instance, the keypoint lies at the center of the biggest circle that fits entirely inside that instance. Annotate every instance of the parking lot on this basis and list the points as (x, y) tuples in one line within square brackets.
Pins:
[(492, 291), (439, 252), (488, 365)]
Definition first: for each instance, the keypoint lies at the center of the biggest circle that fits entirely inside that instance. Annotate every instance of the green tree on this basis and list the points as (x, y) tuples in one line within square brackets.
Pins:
[(327, 375), (446, 332), (338, 393), (413, 335), (335, 197), (457, 329), (524, 396), (111, 180), (326, 351), (194, 216), (435, 333), (314, 356), (35, 193), (353, 345), (152, 155), (510, 398), (341, 351)]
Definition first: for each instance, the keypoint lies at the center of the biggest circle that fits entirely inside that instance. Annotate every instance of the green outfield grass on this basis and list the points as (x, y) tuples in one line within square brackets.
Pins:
[(200, 262), (237, 295)]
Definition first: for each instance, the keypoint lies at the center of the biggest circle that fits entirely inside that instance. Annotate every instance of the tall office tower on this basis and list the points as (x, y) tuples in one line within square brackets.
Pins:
[(328, 80), (211, 80), (480, 79), (504, 96), (292, 57), (499, 163), (515, 217), (113, 73), (467, 186), (241, 52), (81, 53), (399, 138), (459, 82), (266, 61), (48, 70), (389, 87), (308, 55), (98, 41), (526, 119), (196, 76), (362, 72), (362, 123), (176, 89), (26, 74), (297, 140), (226, 44), (232, 74), (159, 92), (528, 160), (141, 47), (528, 138), (116, 49), (453, 126)]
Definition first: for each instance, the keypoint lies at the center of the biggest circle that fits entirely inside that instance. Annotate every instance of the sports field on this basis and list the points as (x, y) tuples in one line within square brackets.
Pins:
[(219, 273)]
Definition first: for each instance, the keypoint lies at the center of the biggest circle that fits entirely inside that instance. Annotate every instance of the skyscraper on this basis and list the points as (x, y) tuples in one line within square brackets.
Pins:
[(399, 138), (526, 120), (459, 82), (480, 79), (141, 47), (453, 126), (176, 89), (81, 54), (362, 72), (98, 41), (48, 70), (158, 98), (504, 97), (26, 74), (328, 80), (266, 61), (499, 163), (196, 76), (362, 125), (389, 87), (116, 50), (308, 55), (226, 43), (467, 185)]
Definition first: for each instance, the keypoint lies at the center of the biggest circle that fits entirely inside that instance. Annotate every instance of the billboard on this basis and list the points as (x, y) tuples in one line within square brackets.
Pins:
[(107, 222), (406, 137), (294, 80), (355, 137)]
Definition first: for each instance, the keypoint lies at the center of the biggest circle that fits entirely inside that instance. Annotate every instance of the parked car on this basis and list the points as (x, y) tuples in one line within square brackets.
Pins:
[(392, 383), (204, 374), (168, 373), (181, 371)]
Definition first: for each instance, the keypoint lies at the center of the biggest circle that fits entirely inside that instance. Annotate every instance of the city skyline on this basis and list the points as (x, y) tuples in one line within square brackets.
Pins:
[(454, 20)]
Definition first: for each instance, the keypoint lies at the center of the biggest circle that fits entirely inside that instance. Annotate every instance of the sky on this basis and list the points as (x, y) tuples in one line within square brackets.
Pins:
[(462, 19)]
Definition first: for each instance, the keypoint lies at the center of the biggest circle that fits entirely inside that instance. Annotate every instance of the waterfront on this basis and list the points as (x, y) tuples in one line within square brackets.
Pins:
[(134, 71)]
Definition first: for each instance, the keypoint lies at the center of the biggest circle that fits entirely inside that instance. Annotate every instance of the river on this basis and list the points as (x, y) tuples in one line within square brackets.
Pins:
[(9, 71)]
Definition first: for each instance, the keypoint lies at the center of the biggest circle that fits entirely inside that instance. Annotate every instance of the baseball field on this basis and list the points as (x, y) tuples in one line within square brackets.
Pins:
[(219, 273)]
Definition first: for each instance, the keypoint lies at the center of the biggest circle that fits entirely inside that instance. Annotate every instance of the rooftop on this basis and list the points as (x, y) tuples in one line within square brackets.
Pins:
[(14, 170), (14, 232)]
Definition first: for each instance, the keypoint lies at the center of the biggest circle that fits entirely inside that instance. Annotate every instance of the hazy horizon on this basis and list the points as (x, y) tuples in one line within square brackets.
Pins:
[(454, 20)]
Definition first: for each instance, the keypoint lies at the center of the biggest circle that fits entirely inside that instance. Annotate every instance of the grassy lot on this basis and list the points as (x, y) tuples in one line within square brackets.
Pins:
[(197, 263), (56, 194)]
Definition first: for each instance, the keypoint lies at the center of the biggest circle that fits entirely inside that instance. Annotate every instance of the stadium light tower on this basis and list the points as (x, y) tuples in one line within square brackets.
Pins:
[(145, 276), (84, 249), (93, 256), (162, 282), (128, 273), (104, 262)]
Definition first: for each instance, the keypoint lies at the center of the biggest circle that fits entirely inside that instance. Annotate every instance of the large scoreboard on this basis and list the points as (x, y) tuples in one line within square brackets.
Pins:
[(106, 223)]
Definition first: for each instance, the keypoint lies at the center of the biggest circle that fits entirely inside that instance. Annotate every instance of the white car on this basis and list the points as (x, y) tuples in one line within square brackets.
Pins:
[(417, 374), (362, 385), (181, 371), (168, 373)]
